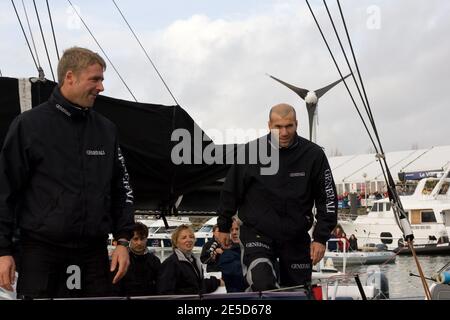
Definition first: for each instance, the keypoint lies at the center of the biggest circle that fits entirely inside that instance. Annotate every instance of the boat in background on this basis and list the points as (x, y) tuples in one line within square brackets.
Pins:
[(148, 221), (364, 257), (361, 257), (428, 249), (428, 210)]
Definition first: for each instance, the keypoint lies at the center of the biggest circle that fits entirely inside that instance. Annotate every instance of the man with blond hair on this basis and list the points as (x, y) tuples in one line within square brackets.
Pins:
[(64, 185)]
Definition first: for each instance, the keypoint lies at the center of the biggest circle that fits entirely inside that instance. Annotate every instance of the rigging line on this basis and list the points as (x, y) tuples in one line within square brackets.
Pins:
[(343, 80), (359, 74), (109, 60), (174, 175), (401, 160), (25, 35), (443, 268), (31, 33), (43, 39), (348, 62), (53, 30), (393, 195), (145, 51), (386, 172), (385, 169)]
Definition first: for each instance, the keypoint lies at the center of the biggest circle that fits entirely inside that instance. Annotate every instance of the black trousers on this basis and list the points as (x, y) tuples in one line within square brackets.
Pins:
[(49, 271), (267, 264)]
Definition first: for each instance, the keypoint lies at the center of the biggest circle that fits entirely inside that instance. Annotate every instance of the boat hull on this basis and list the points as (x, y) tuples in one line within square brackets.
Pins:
[(427, 249), (360, 258)]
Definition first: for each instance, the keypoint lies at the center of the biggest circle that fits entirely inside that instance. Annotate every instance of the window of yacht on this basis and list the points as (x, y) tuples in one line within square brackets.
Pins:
[(406, 188), (446, 217), (164, 230), (380, 207), (429, 186), (153, 243), (386, 237), (207, 228), (428, 216), (425, 216), (444, 188), (152, 229)]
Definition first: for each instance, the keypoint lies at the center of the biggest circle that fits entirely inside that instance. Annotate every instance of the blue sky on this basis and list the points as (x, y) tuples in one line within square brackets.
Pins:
[(214, 55)]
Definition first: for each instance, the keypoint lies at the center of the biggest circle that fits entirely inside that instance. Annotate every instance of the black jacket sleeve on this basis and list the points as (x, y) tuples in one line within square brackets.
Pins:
[(14, 173), (230, 197), (325, 200), (121, 199)]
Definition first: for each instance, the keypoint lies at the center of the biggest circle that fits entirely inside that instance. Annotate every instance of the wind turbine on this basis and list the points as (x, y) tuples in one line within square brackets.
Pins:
[(311, 98)]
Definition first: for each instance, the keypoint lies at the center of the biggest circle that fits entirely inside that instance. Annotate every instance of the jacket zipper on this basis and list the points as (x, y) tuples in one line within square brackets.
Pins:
[(83, 186)]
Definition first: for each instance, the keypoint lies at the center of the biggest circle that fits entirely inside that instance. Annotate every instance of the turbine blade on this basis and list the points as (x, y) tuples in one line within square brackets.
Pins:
[(322, 91), (300, 91)]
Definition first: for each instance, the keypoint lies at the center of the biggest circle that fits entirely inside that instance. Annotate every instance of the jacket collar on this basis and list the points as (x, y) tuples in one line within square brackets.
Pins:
[(66, 107), (182, 257), (138, 254)]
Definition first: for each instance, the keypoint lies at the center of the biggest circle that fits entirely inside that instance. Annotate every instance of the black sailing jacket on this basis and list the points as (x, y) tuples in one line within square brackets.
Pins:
[(280, 205), (141, 276), (179, 276), (62, 177)]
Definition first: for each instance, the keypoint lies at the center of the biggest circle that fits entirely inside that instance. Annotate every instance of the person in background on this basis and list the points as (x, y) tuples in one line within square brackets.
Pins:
[(230, 262), (353, 241), (182, 272), (140, 279), (211, 252), (343, 242)]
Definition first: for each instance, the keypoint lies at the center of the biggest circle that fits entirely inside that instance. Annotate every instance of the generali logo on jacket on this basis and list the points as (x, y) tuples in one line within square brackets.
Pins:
[(95, 152), (297, 174)]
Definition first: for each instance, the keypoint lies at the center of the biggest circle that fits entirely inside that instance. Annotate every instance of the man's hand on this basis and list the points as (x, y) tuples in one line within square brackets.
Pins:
[(224, 239), (120, 256), (217, 252), (317, 252), (7, 272)]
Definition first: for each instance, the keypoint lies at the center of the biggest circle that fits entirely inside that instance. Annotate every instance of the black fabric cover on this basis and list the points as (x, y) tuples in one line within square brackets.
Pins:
[(145, 137), (9, 104)]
